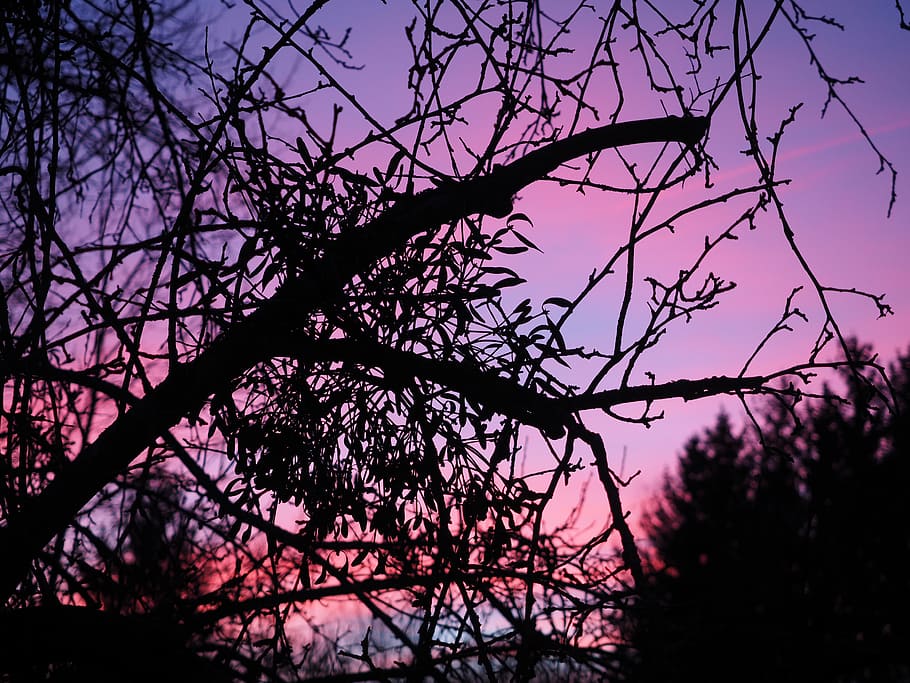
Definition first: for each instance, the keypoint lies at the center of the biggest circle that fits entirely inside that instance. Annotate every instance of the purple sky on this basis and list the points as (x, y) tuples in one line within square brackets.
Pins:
[(836, 203), (838, 207)]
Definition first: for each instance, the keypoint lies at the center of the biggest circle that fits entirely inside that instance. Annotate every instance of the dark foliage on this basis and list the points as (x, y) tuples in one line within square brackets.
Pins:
[(786, 560), (267, 378)]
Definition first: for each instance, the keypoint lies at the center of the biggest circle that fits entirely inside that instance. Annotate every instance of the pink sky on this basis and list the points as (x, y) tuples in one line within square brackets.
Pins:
[(836, 202)]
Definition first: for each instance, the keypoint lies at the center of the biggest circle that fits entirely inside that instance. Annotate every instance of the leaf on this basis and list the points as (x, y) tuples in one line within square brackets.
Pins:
[(558, 301), (393, 163), (304, 152), (523, 307), (524, 240), (509, 282), (515, 217), (247, 251), (270, 272), (499, 270), (497, 236)]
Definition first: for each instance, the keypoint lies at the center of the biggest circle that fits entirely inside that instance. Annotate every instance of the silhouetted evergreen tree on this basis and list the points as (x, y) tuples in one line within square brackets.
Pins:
[(788, 560)]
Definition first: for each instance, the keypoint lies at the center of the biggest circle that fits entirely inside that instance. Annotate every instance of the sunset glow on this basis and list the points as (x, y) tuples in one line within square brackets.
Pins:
[(357, 339)]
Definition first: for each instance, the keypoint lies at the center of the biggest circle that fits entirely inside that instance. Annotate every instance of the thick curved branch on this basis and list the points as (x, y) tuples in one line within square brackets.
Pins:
[(185, 390)]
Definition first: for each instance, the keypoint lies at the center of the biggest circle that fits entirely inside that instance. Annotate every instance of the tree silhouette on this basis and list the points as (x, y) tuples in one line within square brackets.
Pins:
[(263, 353), (141, 580), (784, 559)]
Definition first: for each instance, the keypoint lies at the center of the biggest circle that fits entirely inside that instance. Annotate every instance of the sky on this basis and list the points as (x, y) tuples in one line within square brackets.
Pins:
[(837, 204)]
